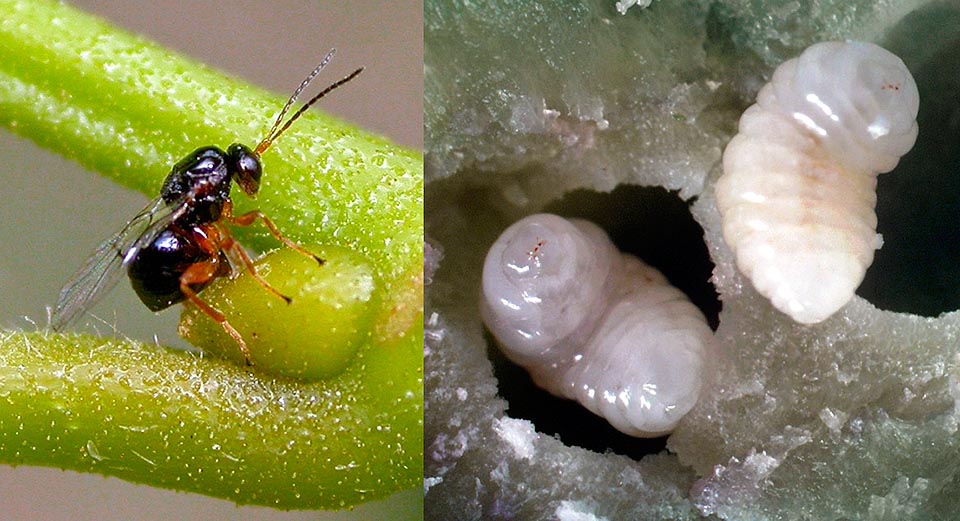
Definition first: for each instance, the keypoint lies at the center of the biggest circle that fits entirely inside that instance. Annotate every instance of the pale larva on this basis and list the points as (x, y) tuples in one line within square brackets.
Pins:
[(595, 325), (798, 189)]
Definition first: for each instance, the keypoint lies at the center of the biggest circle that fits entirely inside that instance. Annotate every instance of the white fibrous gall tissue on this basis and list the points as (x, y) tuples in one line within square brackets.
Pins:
[(798, 189), (595, 325)]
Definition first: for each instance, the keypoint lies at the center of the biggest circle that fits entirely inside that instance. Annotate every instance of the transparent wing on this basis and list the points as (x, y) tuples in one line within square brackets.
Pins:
[(103, 269)]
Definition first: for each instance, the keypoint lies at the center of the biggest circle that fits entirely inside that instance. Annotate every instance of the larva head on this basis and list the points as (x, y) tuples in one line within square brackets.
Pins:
[(856, 98), (541, 278)]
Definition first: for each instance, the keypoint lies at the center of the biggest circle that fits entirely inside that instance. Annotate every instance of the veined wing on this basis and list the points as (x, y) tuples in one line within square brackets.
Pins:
[(103, 269)]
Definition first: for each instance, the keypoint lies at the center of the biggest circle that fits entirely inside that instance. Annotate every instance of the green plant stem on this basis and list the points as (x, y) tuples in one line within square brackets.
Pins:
[(128, 109)]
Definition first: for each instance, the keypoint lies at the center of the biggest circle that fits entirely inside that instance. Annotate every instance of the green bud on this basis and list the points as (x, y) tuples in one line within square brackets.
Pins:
[(315, 336)]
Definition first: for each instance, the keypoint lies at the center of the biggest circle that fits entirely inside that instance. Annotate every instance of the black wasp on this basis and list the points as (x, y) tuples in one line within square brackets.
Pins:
[(178, 243)]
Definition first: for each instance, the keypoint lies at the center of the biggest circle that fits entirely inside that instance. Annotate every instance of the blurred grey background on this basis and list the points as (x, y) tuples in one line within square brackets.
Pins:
[(47, 228)]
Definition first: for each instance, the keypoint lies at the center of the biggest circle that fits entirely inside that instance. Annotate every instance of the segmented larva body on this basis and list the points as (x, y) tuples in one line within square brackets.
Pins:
[(798, 190), (595, 325)]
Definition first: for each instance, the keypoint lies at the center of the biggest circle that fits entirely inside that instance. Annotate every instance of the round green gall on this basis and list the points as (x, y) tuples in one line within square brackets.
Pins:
[(315, 336)]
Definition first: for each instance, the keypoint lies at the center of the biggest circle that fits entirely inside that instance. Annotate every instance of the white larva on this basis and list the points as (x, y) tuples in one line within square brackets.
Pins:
[(595, 325), (798, 189)]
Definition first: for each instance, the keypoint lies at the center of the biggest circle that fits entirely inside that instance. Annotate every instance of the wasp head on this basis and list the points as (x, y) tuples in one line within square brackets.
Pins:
[(246, 167)]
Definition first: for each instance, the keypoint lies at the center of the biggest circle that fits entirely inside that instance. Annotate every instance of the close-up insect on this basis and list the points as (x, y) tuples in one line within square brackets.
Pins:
[(178, 243), (798, 190), (595, 325)]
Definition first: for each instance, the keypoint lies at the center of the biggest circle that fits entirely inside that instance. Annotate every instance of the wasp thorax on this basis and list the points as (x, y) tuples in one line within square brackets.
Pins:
[(196, 174), (202, 178)]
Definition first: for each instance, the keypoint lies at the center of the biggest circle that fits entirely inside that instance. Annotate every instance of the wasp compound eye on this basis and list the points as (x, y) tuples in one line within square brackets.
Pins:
[(247, 167)]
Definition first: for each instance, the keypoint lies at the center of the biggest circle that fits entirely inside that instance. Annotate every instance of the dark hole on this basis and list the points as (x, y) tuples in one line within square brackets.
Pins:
[(655, 225), (918, 204)]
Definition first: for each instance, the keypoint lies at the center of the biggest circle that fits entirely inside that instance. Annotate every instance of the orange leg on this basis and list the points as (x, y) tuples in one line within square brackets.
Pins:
[(250, 217), (198, 274), (237, 253)]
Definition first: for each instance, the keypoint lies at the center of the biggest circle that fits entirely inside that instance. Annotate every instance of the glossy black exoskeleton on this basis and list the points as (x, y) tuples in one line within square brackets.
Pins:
[(179, 243), (206, 175), (155, 272)]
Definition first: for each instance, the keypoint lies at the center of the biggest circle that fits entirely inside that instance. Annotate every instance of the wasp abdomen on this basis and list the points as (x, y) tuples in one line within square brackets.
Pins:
[(155, 272)]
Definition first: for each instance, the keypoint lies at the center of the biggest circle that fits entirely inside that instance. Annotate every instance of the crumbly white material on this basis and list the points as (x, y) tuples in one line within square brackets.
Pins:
[(595, 325), (798, 190), (859, 415), (624, 5)]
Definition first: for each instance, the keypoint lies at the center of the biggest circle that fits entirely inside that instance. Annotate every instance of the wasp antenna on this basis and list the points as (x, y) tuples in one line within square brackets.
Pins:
[(270, 136), (267, 141)]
